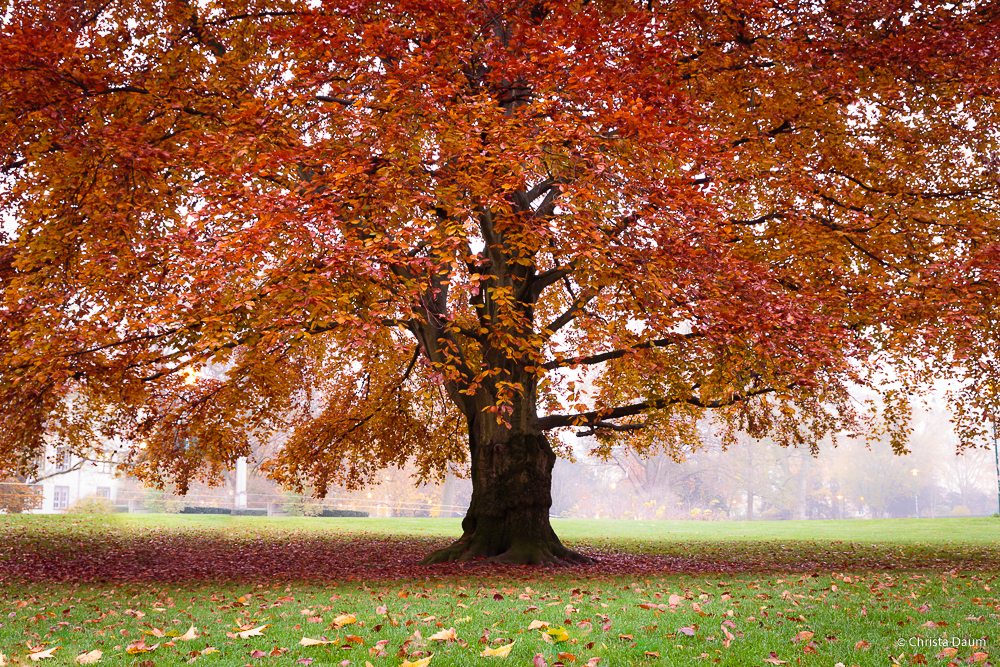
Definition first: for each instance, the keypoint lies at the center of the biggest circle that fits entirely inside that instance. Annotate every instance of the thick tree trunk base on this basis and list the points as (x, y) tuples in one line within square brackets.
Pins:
[(468, 549), (508, 517), (508, 542)]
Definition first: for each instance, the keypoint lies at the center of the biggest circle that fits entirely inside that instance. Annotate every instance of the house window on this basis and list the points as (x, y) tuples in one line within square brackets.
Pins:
[(104, 492), (60, 500), (106, 465), (63, 459)]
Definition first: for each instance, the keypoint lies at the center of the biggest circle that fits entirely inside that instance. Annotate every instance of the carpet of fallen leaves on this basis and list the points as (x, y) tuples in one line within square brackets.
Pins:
[(99, 552)]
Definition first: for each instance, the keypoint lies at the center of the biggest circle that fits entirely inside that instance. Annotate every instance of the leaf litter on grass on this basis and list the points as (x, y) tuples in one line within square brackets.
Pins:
[(565, 619)]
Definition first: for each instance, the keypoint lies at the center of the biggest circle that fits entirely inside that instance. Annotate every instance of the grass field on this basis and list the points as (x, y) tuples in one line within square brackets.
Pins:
[(767, 593)]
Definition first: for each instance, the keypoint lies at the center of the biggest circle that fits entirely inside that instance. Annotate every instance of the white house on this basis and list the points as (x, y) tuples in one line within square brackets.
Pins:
[(65, 479)]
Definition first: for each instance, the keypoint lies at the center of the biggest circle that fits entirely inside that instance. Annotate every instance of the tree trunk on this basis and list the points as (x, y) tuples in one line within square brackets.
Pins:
[(508, 517)]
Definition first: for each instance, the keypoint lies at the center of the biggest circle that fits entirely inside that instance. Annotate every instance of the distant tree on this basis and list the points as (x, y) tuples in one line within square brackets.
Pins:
[(16, 496), (398, 224)]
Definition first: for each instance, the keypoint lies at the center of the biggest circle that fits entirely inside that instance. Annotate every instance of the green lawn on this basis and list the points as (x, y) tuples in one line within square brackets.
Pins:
[(664, 593)]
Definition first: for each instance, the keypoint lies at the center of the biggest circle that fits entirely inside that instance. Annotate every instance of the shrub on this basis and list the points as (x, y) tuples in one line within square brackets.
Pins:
[(91, 505)]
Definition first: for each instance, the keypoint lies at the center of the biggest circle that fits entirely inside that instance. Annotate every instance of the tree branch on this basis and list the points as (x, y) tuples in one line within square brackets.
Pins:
[(610, 426), (616, 354), (598, 416), (570, 313)]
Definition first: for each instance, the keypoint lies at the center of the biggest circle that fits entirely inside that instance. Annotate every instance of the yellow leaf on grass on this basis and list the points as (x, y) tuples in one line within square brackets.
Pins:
[(534, 625), (208, 650), (154, 632), (448, 635), (345, 619), (90, 658), (306, 641), (191, 633), (253, 632), (499, 651), (41, 655), (140, 647), (423, 662), (558, 634)]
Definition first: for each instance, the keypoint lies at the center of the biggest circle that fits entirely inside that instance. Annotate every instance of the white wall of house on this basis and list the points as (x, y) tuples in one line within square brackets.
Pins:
[(69, 479)]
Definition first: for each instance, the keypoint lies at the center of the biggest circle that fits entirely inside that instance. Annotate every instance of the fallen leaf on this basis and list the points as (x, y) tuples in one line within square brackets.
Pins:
[(674, 600), (593, 662), (499, 651), (947, 653), (557, 634), (534, 625), (539, 661), (423, 662), (253, 632), (41, 655), (208, 650), (353, 639), (979, 656), (306, 641), (304, 661), (448, 635), (568, 657), (90, 657), (345, 619), (140, 647), (3, 660), (653, 654), (686, 631), (625, 637), (803, 636), (862, 646), (191, 633), (257, 653)]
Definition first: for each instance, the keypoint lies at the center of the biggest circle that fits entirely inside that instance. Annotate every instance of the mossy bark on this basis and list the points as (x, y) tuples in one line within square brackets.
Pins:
[(508, 518)]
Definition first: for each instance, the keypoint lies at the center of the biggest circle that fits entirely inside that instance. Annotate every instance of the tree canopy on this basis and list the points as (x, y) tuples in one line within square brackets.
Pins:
[(425, 229)]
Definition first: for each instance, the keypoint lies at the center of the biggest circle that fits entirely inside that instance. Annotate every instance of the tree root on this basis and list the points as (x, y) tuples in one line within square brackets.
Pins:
[(470, 550)]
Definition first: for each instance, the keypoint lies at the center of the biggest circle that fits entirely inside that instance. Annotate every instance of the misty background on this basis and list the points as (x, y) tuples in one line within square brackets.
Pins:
[(755, 479)]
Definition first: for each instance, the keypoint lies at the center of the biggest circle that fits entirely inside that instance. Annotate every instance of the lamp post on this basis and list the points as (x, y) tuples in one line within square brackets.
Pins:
[(916, 504)]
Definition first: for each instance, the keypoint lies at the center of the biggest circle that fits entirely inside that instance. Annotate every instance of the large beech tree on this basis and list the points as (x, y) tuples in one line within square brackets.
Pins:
[(441, 231)]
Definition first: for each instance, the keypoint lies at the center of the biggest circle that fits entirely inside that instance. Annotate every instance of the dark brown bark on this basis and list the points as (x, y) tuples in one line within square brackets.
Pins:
[(508, 518)]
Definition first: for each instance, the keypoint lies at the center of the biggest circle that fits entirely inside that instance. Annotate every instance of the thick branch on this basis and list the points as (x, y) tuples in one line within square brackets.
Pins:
[(616, 354), (610, 426), (598, 416), (570, 313)]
